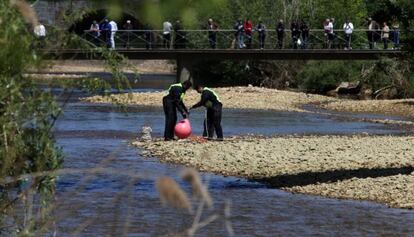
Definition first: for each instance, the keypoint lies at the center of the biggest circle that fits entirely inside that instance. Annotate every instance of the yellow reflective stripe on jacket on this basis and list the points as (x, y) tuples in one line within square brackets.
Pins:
[(179, 85), (214, 93)]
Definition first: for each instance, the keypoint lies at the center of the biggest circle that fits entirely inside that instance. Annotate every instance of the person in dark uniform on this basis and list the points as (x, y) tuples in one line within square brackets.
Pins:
[(211, 101), (172, 102)]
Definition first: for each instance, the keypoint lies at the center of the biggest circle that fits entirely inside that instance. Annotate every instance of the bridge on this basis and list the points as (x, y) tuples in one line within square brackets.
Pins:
[(192, 46), (194, 55)]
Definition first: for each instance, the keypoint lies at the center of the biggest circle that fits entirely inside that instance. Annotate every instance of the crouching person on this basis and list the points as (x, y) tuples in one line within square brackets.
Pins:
[(211, 101)]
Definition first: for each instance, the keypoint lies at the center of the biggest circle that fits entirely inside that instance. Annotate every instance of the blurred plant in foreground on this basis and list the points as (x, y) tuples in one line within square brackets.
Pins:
[(171, 194)]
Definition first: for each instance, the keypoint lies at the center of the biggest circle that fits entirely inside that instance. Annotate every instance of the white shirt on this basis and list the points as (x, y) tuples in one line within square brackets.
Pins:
[(330, 27), (167, 27), (348, 28), (40, 30), (114, 26)]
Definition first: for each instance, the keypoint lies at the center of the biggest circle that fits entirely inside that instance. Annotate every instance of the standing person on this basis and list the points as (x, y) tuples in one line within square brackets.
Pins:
[(128, 27), (396, 34), (261, 28), (106, 32), (212, 33), (329, 32), (94, 29), (239, 31), (295, 31), (179, 42), (40, 33), (348, 30), (280, 29), (326, 31), (211, 101), (385, 35), (378, 33), (373, 34), (172, 102), (167, 29), (248, 30), (304, 28), (114, 29)]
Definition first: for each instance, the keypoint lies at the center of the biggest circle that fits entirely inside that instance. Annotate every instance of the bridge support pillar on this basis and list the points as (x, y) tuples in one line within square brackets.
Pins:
[(184, 70)]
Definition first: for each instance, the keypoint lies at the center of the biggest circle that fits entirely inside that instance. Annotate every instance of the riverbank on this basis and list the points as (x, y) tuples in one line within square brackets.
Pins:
[(271, 99), (404, 108), (318, 165), (232, 97), (90, 66)]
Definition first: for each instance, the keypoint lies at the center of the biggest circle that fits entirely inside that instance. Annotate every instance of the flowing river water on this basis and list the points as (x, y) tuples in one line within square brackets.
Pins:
[(115, 203)]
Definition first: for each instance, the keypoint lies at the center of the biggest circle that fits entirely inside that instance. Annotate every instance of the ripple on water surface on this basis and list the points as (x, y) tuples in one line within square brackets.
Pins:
[(91, 135)]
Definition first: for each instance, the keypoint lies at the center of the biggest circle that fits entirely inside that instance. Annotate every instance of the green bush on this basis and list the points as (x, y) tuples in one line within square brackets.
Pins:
[(321, 77)]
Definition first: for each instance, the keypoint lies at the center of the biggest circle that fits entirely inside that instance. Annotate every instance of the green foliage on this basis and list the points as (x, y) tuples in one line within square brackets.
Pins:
[(188, 11), (24, 109), (411, 83), (388, 72), (27, 114), (321, 77), (381, 73)]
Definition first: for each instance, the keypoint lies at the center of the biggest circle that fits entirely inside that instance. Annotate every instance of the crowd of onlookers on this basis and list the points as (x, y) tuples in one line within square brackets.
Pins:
[(174, 36)]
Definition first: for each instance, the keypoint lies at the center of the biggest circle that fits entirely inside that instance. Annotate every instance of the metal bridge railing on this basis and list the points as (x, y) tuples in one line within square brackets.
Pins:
[(226, 39)]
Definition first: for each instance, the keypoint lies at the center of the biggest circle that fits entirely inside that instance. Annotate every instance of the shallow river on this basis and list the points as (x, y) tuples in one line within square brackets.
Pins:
[(115, 204)]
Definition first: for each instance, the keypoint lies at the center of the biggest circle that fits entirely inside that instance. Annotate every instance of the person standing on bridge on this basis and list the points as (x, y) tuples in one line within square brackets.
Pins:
[(180, 36), (385, 35), (248, 30), (261, 28), (280, 29), (40, 33), (304, 28), (128, 27), (94, 30), (295, 30), (239, 32), (106, 32), (114, 29), (211, 101), (348, 30), (329, 33), (373, 33), (396, 34), (171, 102), (212, 28), (167, 29)]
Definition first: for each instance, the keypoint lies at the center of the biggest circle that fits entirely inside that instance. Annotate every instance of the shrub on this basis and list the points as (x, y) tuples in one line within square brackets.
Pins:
[(321, 77)]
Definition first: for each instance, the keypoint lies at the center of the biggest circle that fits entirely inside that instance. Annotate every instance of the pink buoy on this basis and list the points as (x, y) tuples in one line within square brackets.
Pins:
[(183, 129)]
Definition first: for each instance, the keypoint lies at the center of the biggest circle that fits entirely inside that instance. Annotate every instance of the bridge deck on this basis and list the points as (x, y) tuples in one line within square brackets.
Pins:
[(230, 54)]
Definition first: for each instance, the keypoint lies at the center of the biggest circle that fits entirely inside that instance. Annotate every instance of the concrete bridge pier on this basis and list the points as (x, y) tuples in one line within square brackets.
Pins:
[(185, 69)]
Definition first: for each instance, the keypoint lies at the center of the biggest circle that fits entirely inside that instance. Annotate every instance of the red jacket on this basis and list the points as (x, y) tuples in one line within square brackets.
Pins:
[(248, 27)]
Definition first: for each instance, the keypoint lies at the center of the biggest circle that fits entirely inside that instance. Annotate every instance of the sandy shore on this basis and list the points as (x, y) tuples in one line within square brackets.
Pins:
[(271, 99), (403, 108), (232, 97), (89, 66), (321, 165), (395, 191)]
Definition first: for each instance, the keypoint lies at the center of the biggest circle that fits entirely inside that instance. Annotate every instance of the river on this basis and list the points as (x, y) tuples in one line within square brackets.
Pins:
[(114, 203)]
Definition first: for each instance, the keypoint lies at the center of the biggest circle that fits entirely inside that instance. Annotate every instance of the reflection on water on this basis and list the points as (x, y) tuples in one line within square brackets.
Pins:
[(91, 135)]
